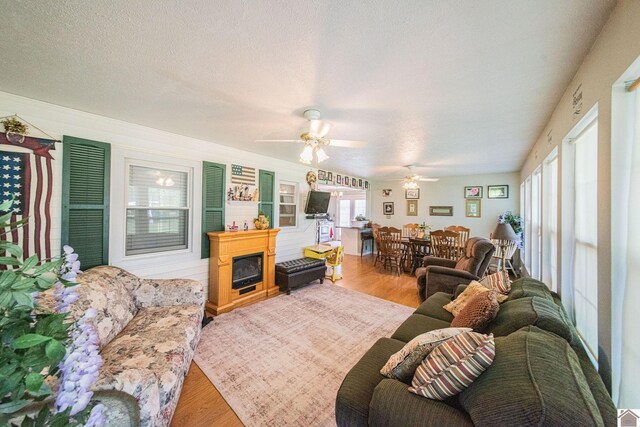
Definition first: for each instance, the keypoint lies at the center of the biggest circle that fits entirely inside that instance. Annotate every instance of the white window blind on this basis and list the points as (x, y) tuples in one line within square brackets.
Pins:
[(157, 210), (288, 207), (345, 213), (585, 237), (536, 226), (550, 222), (527, 224)]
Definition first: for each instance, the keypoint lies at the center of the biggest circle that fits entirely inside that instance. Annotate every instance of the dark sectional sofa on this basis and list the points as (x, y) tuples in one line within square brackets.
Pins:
[(541, 374)]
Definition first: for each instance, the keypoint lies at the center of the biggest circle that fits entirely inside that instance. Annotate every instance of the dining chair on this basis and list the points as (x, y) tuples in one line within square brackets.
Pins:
[(444, 244), (420, 248), (391, 248), (464, 236), (410, 230), (510, 249), (376, 242)]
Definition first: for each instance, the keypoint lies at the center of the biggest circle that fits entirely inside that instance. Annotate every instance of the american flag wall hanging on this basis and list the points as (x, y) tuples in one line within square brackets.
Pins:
[(28, 178), (243, 175)]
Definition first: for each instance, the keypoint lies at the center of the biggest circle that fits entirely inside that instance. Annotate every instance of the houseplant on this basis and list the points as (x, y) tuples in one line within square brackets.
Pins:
[(43, 348), (515, 221)]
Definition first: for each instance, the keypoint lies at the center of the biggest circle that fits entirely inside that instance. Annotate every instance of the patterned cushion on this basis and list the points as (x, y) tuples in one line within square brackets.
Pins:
[(481, 310), (499, 281), (402, 365), (106, 290), (453, 365), (149, 359), (463, 299)]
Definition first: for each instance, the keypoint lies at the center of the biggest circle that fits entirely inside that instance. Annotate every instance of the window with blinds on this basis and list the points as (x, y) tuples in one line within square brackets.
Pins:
[(158, 209)]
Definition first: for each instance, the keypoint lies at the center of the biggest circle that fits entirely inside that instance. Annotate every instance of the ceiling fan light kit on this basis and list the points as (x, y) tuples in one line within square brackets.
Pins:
[(314, 139)]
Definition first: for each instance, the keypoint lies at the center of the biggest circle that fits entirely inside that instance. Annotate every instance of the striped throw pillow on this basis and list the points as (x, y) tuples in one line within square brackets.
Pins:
[(499, 281), (453, 365)]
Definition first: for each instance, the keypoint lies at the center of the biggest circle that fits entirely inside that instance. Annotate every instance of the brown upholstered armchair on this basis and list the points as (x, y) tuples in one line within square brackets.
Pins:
[(443, 275)]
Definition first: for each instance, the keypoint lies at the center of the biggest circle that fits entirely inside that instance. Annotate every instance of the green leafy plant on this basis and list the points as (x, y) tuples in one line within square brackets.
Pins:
[(36, 343), (515, 221)]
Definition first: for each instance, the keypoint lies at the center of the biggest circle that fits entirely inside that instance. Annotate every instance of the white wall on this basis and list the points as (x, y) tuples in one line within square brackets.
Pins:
[(138, 142), (615, 49), (448, 191)]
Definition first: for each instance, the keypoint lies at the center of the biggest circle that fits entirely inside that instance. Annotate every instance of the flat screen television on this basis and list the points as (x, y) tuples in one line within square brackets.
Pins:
[(317, 202)]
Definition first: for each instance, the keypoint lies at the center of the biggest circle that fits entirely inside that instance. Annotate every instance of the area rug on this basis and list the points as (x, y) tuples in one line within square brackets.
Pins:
[(280, 362)]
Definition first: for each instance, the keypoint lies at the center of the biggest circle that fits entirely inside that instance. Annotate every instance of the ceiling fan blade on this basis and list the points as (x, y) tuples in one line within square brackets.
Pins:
[(347, 143), (319, 128), (279, 140), (429, 179)]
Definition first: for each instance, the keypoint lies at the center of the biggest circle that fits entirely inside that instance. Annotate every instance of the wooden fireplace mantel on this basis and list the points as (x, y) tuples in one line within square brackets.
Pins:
[(224, 247)]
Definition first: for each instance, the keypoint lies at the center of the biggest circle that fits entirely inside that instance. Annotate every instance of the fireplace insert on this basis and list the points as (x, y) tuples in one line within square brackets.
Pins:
[(246, 270)]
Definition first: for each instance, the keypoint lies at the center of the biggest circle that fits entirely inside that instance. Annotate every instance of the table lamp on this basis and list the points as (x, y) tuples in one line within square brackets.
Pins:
[(504, 233)]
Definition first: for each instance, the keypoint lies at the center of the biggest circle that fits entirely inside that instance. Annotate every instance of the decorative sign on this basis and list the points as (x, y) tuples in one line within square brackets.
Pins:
[(577, 101), (441, 210), (244, 189)]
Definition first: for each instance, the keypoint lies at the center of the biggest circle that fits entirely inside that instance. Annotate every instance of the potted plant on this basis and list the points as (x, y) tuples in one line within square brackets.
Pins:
[(14, 129)]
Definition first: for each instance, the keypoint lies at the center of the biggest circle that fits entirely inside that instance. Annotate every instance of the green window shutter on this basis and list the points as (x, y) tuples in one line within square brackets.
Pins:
[(85, 199), (213, 192), (266, 184)]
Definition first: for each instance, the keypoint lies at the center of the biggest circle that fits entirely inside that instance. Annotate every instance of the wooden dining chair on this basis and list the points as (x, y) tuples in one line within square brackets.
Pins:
[(462, 240), (391, 248), (444, 244), (376, 242)]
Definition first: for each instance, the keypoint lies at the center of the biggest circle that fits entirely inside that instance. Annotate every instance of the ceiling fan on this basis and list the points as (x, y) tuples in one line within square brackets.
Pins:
[(314, 139), (410, 181)]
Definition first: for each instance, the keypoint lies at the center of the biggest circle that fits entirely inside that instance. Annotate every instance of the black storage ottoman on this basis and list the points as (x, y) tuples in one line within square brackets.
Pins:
[(297, 272)]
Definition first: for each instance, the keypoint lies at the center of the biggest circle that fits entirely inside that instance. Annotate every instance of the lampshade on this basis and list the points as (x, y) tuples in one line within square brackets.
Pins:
[(504, 231), (307, 154), (322, 156)]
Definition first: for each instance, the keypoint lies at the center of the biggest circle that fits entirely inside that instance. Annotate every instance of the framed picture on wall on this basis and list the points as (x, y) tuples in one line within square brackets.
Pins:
[(360, 183), (412, 208), (441, 210), (354, 182), (346, 181), (386, 192), (322, 175), (330, 177), (366, 185), (339, 179), (498, 191), (387, 208), (473, 208), (412, 194), (473, 192)]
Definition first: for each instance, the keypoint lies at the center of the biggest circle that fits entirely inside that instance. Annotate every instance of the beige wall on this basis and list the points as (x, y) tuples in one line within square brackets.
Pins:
[(616, 48), (448, 191)]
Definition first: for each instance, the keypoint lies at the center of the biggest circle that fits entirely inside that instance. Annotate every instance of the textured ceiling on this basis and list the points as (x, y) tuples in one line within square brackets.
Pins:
[(461, 86)]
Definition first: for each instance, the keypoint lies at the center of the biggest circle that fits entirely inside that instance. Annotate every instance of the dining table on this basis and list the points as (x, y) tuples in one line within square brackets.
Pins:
[(417, 249)]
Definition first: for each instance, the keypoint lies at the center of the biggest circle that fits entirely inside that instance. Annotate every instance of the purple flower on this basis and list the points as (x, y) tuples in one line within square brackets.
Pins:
[(97, 417), (79, 369)]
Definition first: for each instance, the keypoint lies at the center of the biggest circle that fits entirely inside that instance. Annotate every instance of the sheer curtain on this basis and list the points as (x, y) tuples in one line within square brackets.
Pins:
[(629, 391), (585, 237)]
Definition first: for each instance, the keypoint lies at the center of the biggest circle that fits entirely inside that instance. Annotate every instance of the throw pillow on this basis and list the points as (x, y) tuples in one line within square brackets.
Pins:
[(499, 281), (453, 365), (402, 365), (480, 311), (463, 299)]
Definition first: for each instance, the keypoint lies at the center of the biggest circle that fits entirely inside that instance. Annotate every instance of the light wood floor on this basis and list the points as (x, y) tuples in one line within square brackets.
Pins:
[(201, 404)]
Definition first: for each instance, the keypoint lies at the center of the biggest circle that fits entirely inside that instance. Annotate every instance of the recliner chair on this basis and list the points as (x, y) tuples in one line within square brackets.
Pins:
[(444, 275)]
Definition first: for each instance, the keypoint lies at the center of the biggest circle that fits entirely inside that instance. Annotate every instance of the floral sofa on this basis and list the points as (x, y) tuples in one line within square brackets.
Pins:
[(148, 331)]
